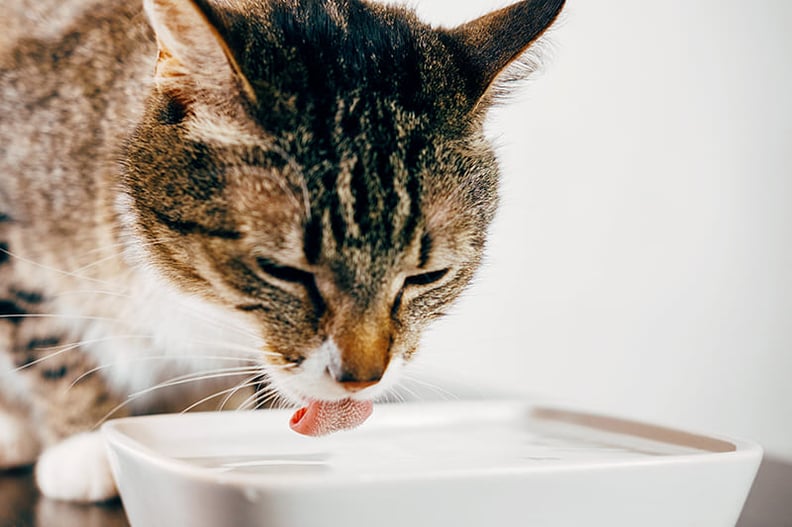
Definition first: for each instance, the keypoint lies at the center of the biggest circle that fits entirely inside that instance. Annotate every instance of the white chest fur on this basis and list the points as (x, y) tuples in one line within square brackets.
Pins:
[(151, 335)]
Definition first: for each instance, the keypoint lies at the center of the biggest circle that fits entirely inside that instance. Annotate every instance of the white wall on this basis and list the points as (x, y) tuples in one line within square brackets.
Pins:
[(642, 260)]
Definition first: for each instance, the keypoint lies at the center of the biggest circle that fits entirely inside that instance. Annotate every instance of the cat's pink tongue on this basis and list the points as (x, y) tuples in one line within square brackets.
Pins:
[(321, 418)]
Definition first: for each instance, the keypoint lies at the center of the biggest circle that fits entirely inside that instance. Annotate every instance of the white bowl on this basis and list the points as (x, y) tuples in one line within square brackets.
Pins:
[(457, 464)]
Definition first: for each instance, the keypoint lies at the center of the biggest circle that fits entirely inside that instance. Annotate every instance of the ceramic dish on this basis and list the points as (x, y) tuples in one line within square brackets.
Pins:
[(466, 463)]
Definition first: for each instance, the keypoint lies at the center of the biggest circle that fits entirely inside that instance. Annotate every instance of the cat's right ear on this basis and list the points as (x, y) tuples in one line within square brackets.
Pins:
[(192, 49)]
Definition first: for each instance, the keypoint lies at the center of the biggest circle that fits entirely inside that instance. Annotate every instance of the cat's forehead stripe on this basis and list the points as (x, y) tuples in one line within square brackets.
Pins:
[(375, 205), (426, 250), (346, 200)]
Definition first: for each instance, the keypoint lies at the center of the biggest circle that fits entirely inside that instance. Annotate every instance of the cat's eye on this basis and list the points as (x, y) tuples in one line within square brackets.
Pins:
[(416, 280), (284, 272), (425, 278)]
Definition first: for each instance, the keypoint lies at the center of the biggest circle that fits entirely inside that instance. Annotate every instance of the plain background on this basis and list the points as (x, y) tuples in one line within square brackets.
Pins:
[(641, 263)]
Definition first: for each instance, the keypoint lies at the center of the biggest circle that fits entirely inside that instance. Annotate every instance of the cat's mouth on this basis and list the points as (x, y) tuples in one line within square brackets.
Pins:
[(320, 418), (327, 405)]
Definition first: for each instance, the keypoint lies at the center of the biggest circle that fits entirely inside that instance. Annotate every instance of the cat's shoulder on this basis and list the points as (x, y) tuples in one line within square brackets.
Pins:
[(38, 19), (30, 25)]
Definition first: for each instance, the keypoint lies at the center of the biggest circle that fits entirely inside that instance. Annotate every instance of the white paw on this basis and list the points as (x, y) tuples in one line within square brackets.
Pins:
[(18, 443), (76, 469)]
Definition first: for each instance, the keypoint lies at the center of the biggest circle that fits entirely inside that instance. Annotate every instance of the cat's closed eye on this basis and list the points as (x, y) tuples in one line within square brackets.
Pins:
[(417, 282), (284, 273), (292, 275), (425, 278)]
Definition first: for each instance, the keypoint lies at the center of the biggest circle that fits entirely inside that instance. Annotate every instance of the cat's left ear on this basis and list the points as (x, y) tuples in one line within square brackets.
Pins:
[(486, 46), (192, 48)]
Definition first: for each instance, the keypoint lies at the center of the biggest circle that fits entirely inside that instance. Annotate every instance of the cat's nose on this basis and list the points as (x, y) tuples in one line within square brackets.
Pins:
[(351, 381), (359, 350)]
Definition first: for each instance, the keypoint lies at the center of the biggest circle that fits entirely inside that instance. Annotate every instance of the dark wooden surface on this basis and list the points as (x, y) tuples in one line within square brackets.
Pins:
[(769, 504), (22, 506)]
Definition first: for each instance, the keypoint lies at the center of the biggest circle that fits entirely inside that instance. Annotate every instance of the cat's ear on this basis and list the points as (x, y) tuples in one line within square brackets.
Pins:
[(191, 47), (487, 46)]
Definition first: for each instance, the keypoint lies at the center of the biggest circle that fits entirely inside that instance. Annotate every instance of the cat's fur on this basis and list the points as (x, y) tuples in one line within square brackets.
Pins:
[(289, 189)]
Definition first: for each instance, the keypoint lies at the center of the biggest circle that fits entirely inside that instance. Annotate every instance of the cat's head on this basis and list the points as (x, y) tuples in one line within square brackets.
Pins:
[(320, 168)]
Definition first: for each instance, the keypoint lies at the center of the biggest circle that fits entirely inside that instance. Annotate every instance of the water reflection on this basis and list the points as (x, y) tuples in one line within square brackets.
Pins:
[(22, 506)]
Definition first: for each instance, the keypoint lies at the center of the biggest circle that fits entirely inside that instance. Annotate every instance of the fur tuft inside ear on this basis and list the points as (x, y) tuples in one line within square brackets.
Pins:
[(191, 46)]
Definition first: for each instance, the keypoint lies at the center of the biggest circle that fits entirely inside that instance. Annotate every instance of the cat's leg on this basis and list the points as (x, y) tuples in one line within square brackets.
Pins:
[(67, 403), (19, 444), (46, 403)]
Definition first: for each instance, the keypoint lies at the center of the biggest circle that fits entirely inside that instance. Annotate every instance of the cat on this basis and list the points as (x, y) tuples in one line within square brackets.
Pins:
[(202, 198)]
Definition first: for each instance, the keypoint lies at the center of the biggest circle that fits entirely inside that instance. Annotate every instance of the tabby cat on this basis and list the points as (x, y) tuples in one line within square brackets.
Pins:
[(202, 198)]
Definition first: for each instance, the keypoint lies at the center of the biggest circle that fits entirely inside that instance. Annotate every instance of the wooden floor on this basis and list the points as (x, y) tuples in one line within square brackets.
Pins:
[(769, 504)]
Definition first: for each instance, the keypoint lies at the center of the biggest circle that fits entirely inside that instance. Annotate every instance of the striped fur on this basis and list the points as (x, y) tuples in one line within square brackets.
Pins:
[(304, 184)]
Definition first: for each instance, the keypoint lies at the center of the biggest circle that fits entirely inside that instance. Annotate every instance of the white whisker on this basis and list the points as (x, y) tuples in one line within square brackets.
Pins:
[(155, 358), (54, 269), (111, 256), (90, 292), (205, 318), (72, 346), (250, 382), (442, 392), (196, 377), (237, 347), (244, 405), (229, 391), (183, 379)]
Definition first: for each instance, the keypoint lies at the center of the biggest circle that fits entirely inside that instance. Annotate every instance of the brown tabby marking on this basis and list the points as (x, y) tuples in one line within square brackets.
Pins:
[(200, 195)]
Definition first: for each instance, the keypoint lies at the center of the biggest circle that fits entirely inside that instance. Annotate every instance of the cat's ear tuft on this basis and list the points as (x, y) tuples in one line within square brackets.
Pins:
[(192, 48), (487, 46)]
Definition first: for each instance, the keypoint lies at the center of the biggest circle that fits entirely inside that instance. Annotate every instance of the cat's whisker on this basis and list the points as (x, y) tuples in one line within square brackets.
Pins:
[(55, 269), (233, 328), (272, 397), (116, 254), (439, 390), (58, 350), (245, 405), (196, 377), (395, 395), (252, 351), (229, 392), (274, 400), (246, 383), (276, 394), (403, 393), (269, 395), (112, 412), (156, 358), (281, 402), (90, 292), (95, 263)]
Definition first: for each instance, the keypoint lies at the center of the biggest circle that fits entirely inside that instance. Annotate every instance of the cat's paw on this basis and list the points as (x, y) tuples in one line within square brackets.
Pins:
[(76, 469), (18, 444)]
